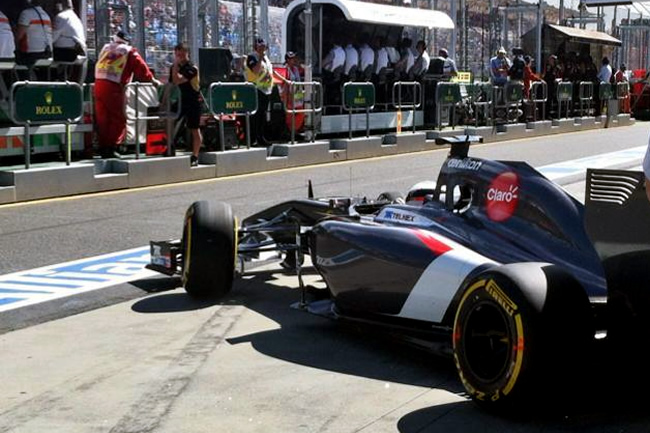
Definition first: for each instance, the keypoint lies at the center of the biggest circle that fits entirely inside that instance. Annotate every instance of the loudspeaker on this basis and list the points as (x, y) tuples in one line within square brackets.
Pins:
[(214, 65)]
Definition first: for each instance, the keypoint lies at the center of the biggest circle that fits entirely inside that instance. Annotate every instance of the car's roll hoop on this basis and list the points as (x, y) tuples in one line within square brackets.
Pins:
[(459, 144)]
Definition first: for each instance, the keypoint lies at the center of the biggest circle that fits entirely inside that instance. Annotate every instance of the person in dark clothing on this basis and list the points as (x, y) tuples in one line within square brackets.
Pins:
[(185, 75), (552, 72)]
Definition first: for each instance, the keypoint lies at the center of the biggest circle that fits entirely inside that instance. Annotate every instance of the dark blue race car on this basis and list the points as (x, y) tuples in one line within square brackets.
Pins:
[(492, 264)]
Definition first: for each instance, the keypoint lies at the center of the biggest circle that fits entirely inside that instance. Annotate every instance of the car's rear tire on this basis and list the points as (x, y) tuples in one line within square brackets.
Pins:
[(209, 248), (517, 341)]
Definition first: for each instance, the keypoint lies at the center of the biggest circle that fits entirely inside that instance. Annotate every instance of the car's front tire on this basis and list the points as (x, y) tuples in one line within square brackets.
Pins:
[(209, 249)]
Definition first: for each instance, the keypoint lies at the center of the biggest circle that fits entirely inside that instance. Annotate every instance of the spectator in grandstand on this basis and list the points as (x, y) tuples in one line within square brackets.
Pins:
[(117, 64), (499, 67), (421, 64), (68, 36), (260, 75), (407, 59), (449, 65), (7, 43), (185, 75), (33, 34), (529, 76), (367, 61), (351, 62)]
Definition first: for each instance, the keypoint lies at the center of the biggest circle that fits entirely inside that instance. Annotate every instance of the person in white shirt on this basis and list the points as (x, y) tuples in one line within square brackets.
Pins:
[(449, 66), (351, 61), (421, 64), (605, 73), (393, 56), (407, 59), (335, 59), (381, 62), (604, 76), (367, 55), (7, 43), (68, 36), (33, 34), (333, 68)]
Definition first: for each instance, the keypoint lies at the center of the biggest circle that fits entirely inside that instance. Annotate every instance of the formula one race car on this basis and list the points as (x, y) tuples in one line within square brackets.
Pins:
[(493, 264)]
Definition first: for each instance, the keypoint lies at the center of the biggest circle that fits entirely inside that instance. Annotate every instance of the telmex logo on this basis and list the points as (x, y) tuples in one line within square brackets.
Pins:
[(502, 197), (399, 216)]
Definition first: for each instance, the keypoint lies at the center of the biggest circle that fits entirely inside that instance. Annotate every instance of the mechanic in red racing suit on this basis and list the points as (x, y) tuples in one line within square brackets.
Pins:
[(117, 64)]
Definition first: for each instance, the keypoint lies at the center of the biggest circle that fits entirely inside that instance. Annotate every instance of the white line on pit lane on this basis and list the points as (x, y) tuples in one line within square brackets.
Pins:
[(66, 279), (628, 157)]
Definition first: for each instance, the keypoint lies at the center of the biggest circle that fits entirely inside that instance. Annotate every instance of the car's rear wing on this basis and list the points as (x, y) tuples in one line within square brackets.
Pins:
[(459, 143), (617, 220), (617, 212)]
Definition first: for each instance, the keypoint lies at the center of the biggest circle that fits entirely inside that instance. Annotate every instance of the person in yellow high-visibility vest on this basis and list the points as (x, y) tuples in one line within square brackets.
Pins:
[(259, 71)]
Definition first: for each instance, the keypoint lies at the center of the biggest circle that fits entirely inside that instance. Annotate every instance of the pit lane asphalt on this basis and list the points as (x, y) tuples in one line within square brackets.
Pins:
[(162, 362)]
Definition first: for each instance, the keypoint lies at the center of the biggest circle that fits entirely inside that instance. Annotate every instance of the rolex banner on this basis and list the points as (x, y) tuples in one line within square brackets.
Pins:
[(231, 98), (47, 103)]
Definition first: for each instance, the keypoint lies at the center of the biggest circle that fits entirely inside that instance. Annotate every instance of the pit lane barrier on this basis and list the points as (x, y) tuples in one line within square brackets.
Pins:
[(18, 185), (414, 90), (143, 102), (313, 151), (407, 97), (298, 90)]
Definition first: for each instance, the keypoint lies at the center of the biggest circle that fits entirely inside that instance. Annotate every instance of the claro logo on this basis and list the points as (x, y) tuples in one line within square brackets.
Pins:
[(502, 197)]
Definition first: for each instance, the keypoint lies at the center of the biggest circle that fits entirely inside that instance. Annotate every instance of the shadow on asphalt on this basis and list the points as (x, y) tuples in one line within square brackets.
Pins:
[(615, 400), (157, 284)]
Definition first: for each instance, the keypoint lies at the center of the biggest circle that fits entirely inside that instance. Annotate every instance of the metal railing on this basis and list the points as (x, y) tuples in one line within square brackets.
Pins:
[(167, 114), (623, 96), (538, 88), (416, 92), (564, 96), (585, 97), (482, 95), (306, 87), (506, 98)]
